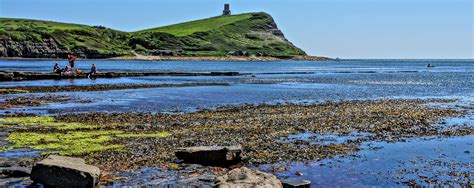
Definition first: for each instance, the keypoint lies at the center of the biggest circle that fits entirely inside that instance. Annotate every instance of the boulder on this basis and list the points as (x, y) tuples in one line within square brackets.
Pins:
[(289, 183), (246, 178), (59, 171), (210, 155)]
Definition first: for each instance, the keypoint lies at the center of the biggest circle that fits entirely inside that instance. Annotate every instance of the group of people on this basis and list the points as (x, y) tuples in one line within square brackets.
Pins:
[(69, 70)]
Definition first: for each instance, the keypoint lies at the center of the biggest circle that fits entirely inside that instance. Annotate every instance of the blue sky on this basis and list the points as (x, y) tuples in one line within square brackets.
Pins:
[(335, 28)]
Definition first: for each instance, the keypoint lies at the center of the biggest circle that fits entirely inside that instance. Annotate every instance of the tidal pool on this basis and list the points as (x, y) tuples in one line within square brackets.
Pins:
[(422, 161)]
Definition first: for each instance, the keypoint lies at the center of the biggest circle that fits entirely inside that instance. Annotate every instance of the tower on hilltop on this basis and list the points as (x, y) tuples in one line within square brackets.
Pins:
[(226, 11)]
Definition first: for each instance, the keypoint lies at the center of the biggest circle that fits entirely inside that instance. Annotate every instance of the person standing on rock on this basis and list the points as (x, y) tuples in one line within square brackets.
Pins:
[(93, 71), (72, 59)]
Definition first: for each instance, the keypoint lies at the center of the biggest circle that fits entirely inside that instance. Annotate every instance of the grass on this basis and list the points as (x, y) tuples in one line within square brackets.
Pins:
[(188, 28), (16, 23)]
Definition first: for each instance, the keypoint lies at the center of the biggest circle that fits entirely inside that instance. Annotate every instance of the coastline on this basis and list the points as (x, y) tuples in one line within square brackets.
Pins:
[(185, 58)]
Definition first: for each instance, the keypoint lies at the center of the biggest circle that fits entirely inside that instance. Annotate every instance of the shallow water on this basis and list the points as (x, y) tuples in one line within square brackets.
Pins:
[(345, 80), (379, 164), (326, 139), (362, 66), (391, 164)]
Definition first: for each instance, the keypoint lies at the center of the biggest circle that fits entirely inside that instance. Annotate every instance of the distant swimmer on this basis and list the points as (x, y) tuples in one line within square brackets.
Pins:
[(430, 65)]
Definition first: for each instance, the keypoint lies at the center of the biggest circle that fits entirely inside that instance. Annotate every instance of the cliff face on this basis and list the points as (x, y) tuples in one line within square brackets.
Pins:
[(45, 48), (245, 34)]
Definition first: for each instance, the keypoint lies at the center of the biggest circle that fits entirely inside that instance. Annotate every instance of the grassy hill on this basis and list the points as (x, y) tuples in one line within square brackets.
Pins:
[(188, 28), (35, 38), (255, 33)]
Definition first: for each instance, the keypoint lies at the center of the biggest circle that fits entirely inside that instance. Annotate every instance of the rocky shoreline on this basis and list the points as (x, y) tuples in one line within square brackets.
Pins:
[(98, 87), (21, 75), (266, 132), (30, 101)]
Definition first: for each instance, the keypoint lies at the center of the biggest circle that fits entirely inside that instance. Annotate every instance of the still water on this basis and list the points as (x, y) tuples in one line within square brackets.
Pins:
[(321, 81)]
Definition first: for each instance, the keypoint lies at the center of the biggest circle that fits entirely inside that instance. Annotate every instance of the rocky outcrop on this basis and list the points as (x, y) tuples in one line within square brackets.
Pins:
[(20, 75), (210, 155), (59, 171), (246, 178), (46, 48)]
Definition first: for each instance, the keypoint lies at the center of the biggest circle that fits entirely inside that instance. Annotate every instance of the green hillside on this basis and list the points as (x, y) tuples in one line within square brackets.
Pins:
[(35, 38), (255, 33), (188, 28)]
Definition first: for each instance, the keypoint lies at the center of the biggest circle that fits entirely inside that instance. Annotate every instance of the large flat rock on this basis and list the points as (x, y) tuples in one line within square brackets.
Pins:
[(24, 75), (210, 155), (59, 171)]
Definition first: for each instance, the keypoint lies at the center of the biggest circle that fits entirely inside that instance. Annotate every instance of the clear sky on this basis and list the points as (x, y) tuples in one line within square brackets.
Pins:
[(334, 28)]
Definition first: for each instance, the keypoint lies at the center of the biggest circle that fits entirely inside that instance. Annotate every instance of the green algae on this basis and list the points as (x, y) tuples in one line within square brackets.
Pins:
[(72, 142), (44, 121), (12, 91), (69, 143), (147, 135)]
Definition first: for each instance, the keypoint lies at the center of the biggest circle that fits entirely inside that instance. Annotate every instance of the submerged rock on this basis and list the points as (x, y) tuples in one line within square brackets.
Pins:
[(6, 76), (296, 183), (246, 178), (59, 171), (15, 172), (9, 182), (210, 155)]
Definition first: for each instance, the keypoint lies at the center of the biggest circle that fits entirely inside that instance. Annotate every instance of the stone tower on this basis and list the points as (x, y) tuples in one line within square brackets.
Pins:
[(226, 11)]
